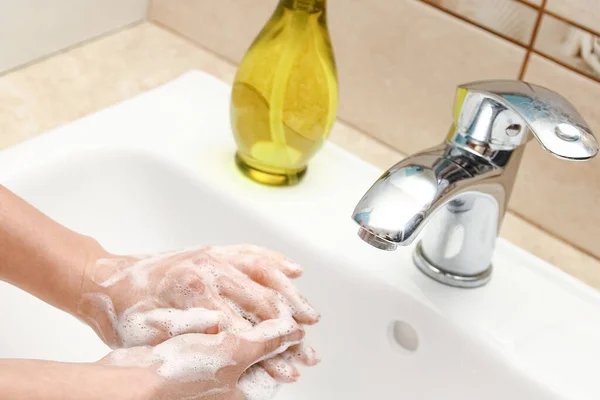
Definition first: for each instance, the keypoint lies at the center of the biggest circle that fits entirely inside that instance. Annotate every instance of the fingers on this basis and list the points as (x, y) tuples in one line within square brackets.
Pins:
[(256, 303), (174, 322), (303, 354), (276, 280), (243, 256), (267, 269), (268, 339), (280, 369), (257, 384), (234, 322), (303, 312)]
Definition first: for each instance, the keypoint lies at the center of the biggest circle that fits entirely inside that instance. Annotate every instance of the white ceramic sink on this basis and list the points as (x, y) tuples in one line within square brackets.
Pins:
[(157, 173)]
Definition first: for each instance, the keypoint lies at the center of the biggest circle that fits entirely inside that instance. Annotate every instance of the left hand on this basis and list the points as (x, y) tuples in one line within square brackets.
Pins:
[(220, 366)]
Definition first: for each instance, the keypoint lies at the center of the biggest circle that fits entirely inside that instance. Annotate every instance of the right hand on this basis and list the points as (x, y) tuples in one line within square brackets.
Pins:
[(145, 300), (209, 366)]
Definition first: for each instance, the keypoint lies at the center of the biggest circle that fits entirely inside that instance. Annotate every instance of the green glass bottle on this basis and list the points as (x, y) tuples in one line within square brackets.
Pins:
[(284, 97)]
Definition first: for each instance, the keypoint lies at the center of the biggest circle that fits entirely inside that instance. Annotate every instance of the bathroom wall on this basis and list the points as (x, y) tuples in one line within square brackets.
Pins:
[(400, 60), (30, 29)]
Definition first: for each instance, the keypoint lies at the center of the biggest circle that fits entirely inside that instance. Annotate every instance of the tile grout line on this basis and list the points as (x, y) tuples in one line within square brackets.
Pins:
[(572, 23), (523, 67), (536, 30), (474, 23), (528, 4), (585, 74), (529, 48)]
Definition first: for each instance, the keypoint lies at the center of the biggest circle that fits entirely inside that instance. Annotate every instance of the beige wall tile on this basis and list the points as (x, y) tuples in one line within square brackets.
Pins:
[(399, 65), (226, 27), (510, 18), (583, 12), (563, 197), (569, 45), (549, 248), (364, 146)]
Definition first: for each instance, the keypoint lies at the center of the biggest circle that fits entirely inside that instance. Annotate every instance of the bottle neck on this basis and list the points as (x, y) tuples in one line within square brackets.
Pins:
[(310, 6)]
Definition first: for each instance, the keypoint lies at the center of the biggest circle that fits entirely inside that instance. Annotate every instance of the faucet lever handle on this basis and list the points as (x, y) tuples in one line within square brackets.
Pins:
[(496, 113)]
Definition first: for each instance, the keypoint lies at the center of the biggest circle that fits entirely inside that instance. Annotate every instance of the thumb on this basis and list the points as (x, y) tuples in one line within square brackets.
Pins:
[(174, 322), (270, 338)]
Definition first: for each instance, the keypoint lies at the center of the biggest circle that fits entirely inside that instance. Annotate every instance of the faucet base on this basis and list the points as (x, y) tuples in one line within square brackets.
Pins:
[(447, 277)]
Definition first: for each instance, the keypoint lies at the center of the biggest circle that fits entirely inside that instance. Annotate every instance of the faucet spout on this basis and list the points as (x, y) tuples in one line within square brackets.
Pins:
[(457, 192), (456, 196)]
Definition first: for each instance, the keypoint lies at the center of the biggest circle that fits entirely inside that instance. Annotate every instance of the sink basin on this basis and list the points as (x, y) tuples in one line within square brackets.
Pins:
[(157, 173)]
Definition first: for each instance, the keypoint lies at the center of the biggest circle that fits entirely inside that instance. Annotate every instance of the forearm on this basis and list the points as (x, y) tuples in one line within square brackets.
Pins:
[(48, 380), (41, 256)]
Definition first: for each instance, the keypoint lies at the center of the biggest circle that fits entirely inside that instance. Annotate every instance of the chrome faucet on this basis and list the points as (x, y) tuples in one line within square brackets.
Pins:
[(458, 191)]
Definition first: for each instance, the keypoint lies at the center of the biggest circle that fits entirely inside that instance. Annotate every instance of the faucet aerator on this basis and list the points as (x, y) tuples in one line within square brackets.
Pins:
[(375, 240)]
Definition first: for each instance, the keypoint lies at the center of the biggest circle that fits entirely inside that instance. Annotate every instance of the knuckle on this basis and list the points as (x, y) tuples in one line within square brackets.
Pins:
[(261, 274), (193, 282), (271, 345), (274, 302)]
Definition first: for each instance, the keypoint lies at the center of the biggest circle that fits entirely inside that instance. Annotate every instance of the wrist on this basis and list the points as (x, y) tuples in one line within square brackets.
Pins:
[(92, 253), (134, 383), (93, 301), (84, 264)]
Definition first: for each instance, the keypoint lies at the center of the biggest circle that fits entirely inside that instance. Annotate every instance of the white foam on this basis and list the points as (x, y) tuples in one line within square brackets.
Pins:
[(103, 303), (303, 354), (279, 350), (271, 329), (138, 272), (186, 358), (249, 254), (170, 271), (247, 321), (190, 320), (257, 384), (138, 327), (282, 368), (189, 366), (198, 357)]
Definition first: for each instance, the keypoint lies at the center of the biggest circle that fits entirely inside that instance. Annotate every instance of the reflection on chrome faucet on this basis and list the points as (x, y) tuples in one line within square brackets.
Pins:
[(458, 191)]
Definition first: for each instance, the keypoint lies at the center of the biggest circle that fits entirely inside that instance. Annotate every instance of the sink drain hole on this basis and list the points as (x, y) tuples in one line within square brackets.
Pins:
[(403, 336)]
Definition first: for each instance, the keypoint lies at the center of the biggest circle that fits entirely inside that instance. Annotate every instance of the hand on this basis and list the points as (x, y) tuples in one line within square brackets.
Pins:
[(136, 301), (199, 366), (143, 300)]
